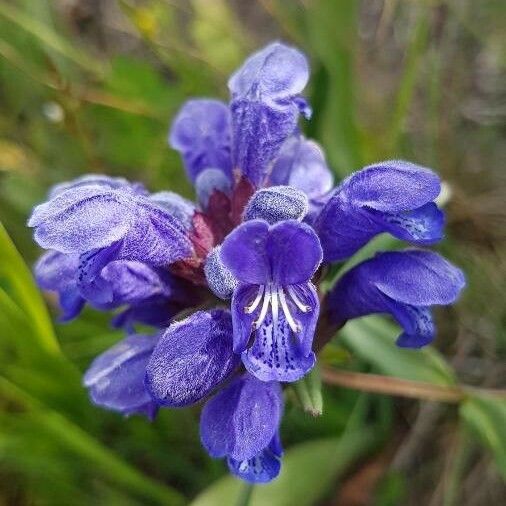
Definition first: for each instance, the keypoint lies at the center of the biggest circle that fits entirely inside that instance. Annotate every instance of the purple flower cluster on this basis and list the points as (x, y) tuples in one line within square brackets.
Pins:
[(266, 222)]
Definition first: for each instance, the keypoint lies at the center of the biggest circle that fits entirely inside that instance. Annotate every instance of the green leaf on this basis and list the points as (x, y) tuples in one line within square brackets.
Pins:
[(309, 392), (486, 417), (332, 35), (373, 340), (58, 428), (25, 294), (308, 471)]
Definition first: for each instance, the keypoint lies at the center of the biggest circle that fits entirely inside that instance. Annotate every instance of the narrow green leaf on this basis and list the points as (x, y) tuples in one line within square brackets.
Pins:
[(486, 417), (415, 50), (307, 473), (25, 293), (309, 392), (86, 446), (333, 39), (373, 340)]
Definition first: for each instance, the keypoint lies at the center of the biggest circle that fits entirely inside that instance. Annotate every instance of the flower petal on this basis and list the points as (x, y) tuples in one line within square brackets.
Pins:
[(277, 203), (182, 209), (192, 357), (244, 252), (133, 281), (261, 468), (277, 353), (294, 252), (241, 420), (242, 321), (208, 181), (301, 164), (265, 106), (404, 284), (416, 277), (107, 182), (157, 237), (419, 328), (392, 186), (81, 219), (393, 196), (423, 225), (91, 217), (115, 379), (307, 294), (201, 133), (219, 279), (57, 272), (275, 72)]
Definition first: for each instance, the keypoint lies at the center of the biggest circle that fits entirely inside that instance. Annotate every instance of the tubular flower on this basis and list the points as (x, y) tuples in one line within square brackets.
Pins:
[(231, 282)]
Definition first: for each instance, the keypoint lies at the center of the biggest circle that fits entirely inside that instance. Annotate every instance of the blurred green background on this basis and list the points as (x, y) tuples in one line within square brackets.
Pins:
[(91, 86)]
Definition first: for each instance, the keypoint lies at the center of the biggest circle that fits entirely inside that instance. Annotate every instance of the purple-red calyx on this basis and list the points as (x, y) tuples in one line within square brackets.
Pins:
[(229, 281)]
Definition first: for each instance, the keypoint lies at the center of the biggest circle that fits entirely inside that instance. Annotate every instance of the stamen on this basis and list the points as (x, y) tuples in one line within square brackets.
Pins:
[(303, 307), (275, 307), (265, 307), (286, 311), (249, 309)]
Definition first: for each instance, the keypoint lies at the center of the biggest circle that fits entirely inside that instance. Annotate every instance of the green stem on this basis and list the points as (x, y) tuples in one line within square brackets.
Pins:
[(245, 495)]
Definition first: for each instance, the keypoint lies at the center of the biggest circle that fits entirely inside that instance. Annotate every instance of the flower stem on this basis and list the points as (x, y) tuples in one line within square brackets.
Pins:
[(406, 388), (245, 495)]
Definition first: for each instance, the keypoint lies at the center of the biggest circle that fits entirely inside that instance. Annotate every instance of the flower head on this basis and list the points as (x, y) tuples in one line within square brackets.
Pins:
[(231, 282)]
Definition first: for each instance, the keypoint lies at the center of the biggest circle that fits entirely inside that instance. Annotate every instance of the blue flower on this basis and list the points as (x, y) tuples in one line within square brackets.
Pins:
[(231, 282), (393, 196), (275, 298), (115, 379), (241, 423), (405, 284)]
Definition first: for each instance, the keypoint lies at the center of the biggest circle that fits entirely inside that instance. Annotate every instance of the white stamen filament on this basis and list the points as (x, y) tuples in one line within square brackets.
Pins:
[(293, 325), (275, 305), (274, 296), (296, 300), (265, 307), (249, 309)]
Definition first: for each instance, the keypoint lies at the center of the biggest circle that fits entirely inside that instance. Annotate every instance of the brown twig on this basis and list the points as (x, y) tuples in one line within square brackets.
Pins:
[(377, 383)]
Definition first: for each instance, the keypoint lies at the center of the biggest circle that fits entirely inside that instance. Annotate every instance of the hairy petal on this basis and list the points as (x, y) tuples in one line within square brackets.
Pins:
[(192, 357), (241, 420), (405, 284), (392, 196), (180, 208), (90, 217), (393, 185), (80, 219), (277, 203), (57, 272), (219, 279), (265, 106), (201, 133), (115, 379), (301, 164), (210, 180), (107, 182), (262, 468)]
